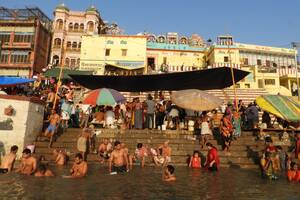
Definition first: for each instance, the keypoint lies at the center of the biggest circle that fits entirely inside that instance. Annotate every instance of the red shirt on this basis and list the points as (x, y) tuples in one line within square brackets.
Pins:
[(196, 162), (212, 155)]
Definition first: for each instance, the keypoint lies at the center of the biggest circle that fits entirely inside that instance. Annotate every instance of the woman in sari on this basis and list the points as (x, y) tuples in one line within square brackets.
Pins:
[(212, 161), (226, 131)]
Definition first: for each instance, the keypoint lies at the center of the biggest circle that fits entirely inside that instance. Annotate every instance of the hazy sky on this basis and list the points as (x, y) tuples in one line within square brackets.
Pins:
[(265, 22)]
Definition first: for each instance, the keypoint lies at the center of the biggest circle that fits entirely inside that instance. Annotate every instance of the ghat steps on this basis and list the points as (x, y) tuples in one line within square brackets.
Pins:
[(244, 151)]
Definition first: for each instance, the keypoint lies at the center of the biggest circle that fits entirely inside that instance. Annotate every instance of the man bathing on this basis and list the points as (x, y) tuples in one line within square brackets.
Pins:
[(79, 168), (60, 157), (28, 163), (54, 120), (118, 161), (168, 173), (7, 164), (42, 171), (166, 152)]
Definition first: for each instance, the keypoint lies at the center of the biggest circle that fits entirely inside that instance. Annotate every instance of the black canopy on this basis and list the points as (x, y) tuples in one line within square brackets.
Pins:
[(216, 78)]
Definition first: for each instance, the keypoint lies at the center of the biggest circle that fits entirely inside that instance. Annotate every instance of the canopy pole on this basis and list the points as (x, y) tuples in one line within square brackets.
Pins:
[(58, 86), (233, 79)]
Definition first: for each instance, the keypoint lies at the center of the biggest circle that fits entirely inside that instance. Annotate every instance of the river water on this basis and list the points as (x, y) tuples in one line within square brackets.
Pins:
[(144, 184)]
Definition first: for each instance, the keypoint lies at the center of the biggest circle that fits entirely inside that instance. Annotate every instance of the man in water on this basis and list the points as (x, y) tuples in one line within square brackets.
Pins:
[(28, 163), (42, 171), (104, 150), (60, 157), (79, 168), (168, 173), (54, 120), (7, 164), (166, 152), (118, 161)]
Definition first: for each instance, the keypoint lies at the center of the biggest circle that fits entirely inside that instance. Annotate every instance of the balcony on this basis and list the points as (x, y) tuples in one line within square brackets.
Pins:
[(17, 45), (72, 50)]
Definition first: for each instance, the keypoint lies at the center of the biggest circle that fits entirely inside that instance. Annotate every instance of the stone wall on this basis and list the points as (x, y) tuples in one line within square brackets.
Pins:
[(27, 122)]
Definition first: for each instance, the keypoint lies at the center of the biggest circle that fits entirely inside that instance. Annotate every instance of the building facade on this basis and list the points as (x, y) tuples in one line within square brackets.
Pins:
[(25, 37), (114, 54), (68, 28)]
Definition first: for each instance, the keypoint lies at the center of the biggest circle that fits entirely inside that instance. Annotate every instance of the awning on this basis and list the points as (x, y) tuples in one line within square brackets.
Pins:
[(6, 81), (280, 106), (208, 79), (126, 67), (65, 73)]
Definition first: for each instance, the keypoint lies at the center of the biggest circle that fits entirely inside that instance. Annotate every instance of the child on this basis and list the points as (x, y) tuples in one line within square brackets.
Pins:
[(168, 173), (195, 160), (139, 154), (268, 167), (282, 157), (293, 174)]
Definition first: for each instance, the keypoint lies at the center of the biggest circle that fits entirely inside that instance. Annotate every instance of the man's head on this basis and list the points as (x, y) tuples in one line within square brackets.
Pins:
[(170, 169), (78, 158), (209, 145), (166, 143), (14, 149), (42, 168), (53, 111), (294, 166), (196, 154), (117, 145), (105, 141), (26, 153), (139, 145)]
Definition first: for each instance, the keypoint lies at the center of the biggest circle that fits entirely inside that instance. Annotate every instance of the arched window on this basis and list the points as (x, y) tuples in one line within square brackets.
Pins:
[(59, 24), (81, 28), (69, 44), (57, 42), (76, 27), (67, 62), (71, 26), (78, 62), (74, 45), (79, 45), (55, 60), (90, 26)]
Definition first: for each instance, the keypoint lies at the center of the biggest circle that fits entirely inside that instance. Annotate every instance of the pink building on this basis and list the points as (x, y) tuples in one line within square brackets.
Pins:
[(68, 27)]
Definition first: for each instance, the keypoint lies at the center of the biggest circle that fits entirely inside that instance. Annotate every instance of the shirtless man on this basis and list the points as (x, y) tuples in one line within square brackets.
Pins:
[(54, 120), (118, 161), (42, 171), (168, 174), (79, 168), (166, 152), (28, 163), (7, 164), (60, 157), (104, 150)]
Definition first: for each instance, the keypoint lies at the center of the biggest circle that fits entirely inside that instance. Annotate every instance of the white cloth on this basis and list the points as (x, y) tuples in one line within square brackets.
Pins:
[(109, 117), (205, 130)]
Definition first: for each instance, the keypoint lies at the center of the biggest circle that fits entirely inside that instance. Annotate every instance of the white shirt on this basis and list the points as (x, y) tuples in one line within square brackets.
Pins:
[(109, 117)]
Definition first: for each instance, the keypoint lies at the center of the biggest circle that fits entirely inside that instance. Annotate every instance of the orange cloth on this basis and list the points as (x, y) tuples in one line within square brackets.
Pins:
[(293, 175), (196, 162)]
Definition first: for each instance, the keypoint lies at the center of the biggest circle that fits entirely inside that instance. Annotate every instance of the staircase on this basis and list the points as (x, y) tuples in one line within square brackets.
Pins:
[(244, 152)]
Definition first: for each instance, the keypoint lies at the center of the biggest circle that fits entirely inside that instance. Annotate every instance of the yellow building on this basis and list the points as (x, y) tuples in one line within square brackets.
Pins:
[(113, 54), (177, 57)]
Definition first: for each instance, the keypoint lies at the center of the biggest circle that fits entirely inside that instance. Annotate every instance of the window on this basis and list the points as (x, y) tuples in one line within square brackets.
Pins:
[(4, 56), (81, 27), (69, 44), (74, 45), (59, 24), (71, 26), (79, 45), (247, 85), (76, 27), (19, 57), (274, 64), (246, 61), (67, 62), (165, 60), (4, 37), (23, 38), (258, 62), (226, 59), (90, 26), (268, 63), (269, 81), (57, 42), (123, 42), (107, 52), (73, 63), (124, 52)]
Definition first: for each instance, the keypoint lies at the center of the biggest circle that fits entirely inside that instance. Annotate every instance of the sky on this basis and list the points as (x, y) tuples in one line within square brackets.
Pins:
[(263, 22)]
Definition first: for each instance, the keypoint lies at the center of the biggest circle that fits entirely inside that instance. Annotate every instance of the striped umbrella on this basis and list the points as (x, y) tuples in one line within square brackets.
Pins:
[(104, 96), (280, 106)]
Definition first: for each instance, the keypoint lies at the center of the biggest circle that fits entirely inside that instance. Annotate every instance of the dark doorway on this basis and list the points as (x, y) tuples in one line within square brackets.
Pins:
[(151, 62)]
